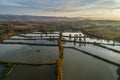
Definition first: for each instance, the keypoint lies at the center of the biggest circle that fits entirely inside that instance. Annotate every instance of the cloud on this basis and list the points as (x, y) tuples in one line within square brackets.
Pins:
[(9, 3), (59, 6), (46, 5)]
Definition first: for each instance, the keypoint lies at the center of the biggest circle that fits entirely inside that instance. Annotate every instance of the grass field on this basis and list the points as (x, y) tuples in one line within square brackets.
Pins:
[(106, 30)]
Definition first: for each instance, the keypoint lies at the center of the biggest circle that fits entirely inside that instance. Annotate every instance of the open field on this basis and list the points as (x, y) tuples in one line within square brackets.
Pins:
[(109, 30)]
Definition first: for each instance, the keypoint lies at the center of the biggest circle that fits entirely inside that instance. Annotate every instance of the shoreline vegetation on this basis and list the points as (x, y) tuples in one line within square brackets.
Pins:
[(8, 29)]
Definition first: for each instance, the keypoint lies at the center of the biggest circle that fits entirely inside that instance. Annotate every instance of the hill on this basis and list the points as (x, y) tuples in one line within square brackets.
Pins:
[(8, 17)]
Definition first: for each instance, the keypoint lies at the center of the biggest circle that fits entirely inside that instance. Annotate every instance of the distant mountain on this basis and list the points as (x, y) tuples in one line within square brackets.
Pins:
[(8, 17)]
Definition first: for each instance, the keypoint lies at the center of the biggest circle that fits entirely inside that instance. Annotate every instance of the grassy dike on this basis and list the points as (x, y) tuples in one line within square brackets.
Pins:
[(8, 70)]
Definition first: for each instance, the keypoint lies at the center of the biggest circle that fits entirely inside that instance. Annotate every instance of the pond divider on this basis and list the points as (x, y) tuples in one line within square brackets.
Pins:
[(52, 39), (34, 39), (35, 44), (81, 40), (108, 48), (30, 64), (45, 33), (88, 53), (9, 69), (11, 66), (60, 58), (58, 63), (57, 36), (96, 44)]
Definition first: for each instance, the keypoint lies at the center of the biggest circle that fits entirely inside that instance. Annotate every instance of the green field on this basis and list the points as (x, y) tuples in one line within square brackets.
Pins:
[(109, 30)]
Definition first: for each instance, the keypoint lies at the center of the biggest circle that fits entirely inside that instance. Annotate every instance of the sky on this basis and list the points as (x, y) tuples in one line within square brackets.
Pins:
[(96, 9)]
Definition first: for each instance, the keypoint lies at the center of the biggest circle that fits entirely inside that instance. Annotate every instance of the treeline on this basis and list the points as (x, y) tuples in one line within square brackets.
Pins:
[(9, 29), (6, 31), (105, 32)]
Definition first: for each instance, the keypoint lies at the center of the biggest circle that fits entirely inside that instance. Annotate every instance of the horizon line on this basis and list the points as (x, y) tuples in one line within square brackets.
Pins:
[(86, 18)]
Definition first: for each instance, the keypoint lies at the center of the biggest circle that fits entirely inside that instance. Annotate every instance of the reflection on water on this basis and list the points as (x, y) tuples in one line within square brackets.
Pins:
[(28, 54), (3, 68), (96, 50), (24, 72), (88, 39), (117, 47), (118, 71), (34, 41), (76, 65)]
